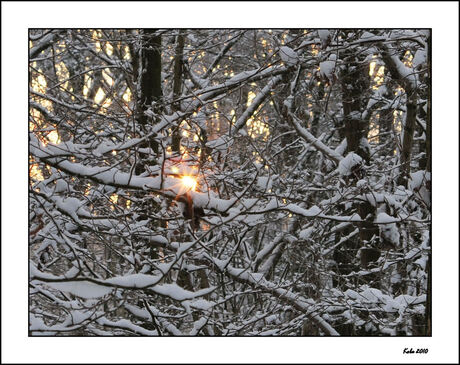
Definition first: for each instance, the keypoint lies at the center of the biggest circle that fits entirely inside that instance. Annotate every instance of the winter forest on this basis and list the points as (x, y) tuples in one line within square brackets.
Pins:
[(229, 182)]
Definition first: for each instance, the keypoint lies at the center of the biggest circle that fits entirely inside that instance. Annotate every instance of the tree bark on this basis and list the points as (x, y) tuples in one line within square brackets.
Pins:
[(177, 84), (408, 138), (149, 81), (354, 84)]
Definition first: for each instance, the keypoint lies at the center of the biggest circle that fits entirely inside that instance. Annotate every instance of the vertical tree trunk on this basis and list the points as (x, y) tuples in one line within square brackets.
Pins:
[(355, 85), (394, 66), (150, 95), (177, 88), (408, 138)]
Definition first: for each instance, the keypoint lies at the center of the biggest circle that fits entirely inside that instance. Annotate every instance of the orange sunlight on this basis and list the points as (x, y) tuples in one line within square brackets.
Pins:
[(189, 182)]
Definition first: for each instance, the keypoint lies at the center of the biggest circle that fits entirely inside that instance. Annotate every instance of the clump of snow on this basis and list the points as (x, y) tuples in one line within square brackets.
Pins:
[(405, 71), (327, 67), (305, 233), (104, 147), (82, 289), (323, 34), (272, 204), (367, 36), (389, 231), (341, 148), (348, 163), (386, 302), (134, 280), (364, 143), (70, 206), (220, 144), (61, 186), (352, 294), (412, 253), (198, 325), (264, 182), (419, 183), (418, 178), (202, 304), (384, 218), (419, 58), (313, 211), (361, 182), (241, 76), (174, 291), (208, 200), (355, 115), (422, 262), (242, 132), (288, 56)]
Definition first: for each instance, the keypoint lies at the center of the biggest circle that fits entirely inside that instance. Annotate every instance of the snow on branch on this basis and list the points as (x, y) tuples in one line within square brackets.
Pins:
[(256, 280), (320, 146)]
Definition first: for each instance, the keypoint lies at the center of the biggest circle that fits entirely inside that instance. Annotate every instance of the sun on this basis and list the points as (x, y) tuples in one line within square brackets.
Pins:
[(189, 182)]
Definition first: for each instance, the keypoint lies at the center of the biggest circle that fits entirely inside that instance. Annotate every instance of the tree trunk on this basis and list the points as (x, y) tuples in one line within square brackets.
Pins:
[(177, 84), (149, 96), (149, 83), (408, 138), (355, 83), (355, 87)]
